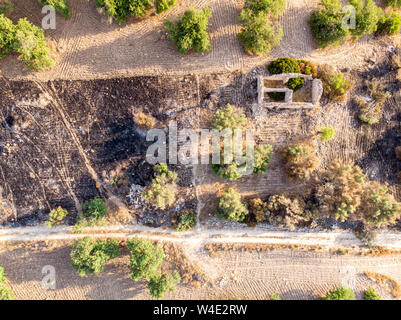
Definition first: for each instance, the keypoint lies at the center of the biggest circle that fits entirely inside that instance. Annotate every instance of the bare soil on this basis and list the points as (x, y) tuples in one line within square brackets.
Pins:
[(234, 274), (86, 46)]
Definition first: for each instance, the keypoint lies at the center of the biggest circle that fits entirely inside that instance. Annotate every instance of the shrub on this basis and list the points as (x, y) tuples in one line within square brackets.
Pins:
[(378, 207), (31, 45), (271, 7), (5, 6), (160, 284), (144, 121), (5, 293), (326, 24), (186, 222), (258, 34), (307, 67), (257, 210), (366, 234), (340, 193), (229, 117), (164, 5), (25, 39), (94, 213), (161, 193), (275, 297), (295, 83), (327, 133), (56, 216), (340, 293), (394, 3), (367, 17), (231, 207), (231, 171), (88, 256), (122, 9), (61, 6), (371, 294), (301, 160), (145, 259), (191, 31), (371, 109), (389, 24), (284, 65), (335, 85), (263, 154), (290, 65), (7, 36), (289, 212)]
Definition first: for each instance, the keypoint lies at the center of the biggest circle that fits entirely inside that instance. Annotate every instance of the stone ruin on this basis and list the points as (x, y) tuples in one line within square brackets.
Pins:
[(307, 97)]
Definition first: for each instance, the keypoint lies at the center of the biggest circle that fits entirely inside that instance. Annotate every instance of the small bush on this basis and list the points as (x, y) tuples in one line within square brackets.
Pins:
[(270, 7), (295, 83), (326, 24), (191, 31), (327, 133), (31, 45), (160, 284), (394, 3), (340, 293), (367, 17), (389, 24), (263, 154), (371, 294), (301, 161), (121, 10), (94, 214), (275, 297), (378, 207), (257, 210), (56, 216), (5, 293), (231, 207), (164, 5), (284, 65), (144, 121), (335, 85), (258, 34), (88, 256), (371, 109), (7, 36), (61, 6), (5, 6), (186, 222), (229, 117), (231, 171), (289, 212), (340, 194), (161, 193), (366, 234), (145, 259)]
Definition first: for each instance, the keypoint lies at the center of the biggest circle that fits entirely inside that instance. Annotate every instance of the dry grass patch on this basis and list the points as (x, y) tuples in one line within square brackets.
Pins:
[(389, 284)]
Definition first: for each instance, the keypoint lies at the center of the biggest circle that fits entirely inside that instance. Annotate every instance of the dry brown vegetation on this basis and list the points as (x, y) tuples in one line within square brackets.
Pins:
[(387, 282), (144, 121), (301, 160)]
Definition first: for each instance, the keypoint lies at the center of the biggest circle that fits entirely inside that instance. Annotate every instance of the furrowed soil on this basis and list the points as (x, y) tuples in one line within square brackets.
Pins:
[(232, 274), (86, 46)]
